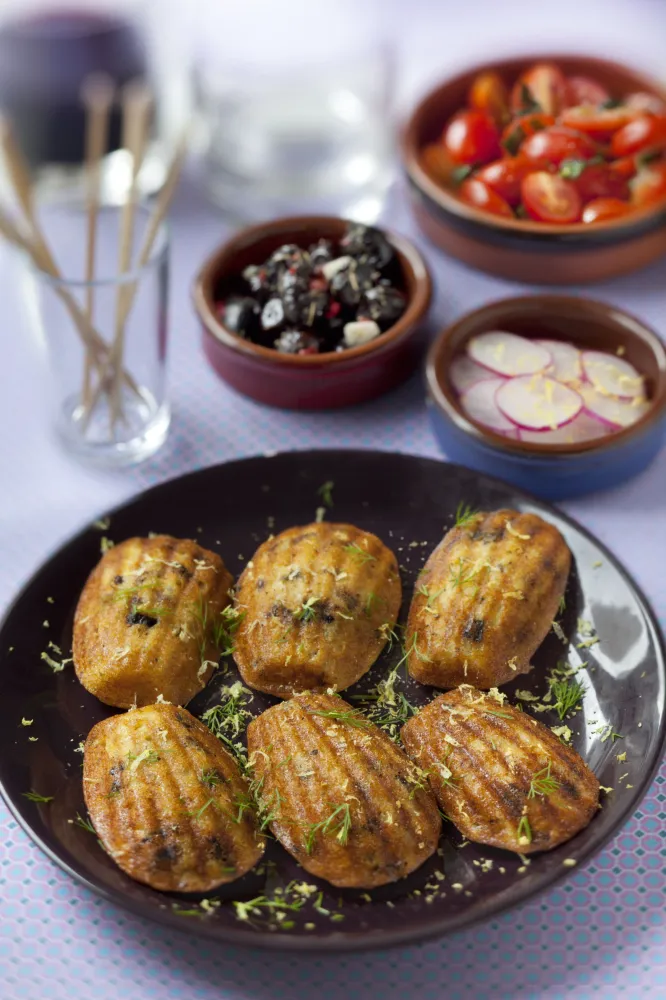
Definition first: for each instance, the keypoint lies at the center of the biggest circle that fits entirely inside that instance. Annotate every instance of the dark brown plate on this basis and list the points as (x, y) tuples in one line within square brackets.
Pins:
[(409, 502)]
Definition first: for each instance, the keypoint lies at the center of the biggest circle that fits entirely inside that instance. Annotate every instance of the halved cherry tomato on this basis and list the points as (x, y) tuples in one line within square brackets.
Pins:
[(471, 137), (544, 84), (480, 195), (520, 128), (649, 185), (647, 103), (437, 162), (549, 198), (601, 209), (625, 167), (584, 90), (505, 176), (598, 123), (488, 93), (556, 144), (645, 132), (599, 180)]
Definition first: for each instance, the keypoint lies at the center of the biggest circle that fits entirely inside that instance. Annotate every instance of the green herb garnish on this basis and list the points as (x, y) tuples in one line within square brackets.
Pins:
[(338, 823), (359, 553), (211, 778), (85, 824), (542, 783), (307, 611), (36, 797), (325, 491), (567, 694), (461, 173), (524, 831), (572, 168), (354, 717), (465, 515)]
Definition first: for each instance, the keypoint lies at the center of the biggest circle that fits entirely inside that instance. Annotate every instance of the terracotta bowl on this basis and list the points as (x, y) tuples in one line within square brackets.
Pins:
[(319, 381), (513, 248), (552, 471)]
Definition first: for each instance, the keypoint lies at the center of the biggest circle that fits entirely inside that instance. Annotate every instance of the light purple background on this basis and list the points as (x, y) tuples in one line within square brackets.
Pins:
[(600, 934)]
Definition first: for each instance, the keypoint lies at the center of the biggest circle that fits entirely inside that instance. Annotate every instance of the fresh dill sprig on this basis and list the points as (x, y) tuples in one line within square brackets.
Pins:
[(307, 610), (228, 719), (338, 823), (372, 600), (389, 634), (85, 824), (562, 606), (500, 715), (359, 553), (411, 646), (543, 783), (269, 808), (147, 756), (459, 577), (465, 515), (36, 797), (429, 595), (354, 717), (524, 831), (210, 777), (387, 707), (325, 491), (567, 694)]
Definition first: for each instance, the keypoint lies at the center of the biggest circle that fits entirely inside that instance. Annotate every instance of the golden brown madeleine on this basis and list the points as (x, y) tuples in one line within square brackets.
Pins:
[(149, 621), (168, 802), (339, 794), (486, 599), (501, 776), (318, 603)]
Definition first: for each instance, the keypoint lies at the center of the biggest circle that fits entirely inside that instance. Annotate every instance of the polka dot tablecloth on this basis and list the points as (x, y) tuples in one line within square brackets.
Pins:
[(599, 934)]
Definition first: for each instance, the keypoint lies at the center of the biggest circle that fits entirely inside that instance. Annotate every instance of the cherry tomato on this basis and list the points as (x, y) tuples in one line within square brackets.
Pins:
[(556, 144), (544, 84), (649, 185), (598, 123), (625, 167), (549, 198), (599, 180), (601, 209), (520, 128), (471, 137), (488, 93), (584, 90), (645, 132), (437, 162), (480, 195), (505, 176), (647, 103)]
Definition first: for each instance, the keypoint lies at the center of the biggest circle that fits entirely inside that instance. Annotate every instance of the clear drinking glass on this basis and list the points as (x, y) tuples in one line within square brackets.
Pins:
[(104, 341), (294, 107)]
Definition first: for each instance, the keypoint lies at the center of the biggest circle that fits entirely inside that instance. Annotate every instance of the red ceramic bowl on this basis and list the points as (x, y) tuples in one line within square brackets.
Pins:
[(320, 381), (517, 249)]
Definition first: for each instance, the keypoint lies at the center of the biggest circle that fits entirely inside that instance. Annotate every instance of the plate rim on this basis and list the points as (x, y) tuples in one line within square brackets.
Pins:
[(340, 941)]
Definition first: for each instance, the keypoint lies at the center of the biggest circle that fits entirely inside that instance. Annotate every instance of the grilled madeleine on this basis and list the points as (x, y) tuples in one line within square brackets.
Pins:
[(501, 776), (339, 794), (168, 802), (486, 599), (148, 621), (318, 604)]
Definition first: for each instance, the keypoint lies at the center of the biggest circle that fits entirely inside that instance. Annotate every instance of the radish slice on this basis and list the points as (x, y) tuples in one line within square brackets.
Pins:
[(479, 404), (584, 427), (612, 375), (537, 402), (566, 365), (508, 354), (464, 373), (615, 413)]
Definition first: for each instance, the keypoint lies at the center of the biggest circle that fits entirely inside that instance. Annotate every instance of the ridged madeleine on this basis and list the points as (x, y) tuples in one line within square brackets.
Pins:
[(338, 794), (486, 599), (318, 603), (148, 621), (168, 803), (501, 776)]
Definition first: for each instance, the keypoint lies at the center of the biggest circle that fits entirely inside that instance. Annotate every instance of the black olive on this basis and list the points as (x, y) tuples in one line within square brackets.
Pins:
[(321, 253), (240, 313), (382, 303), (294, 341), (368, 244), (139, 618)]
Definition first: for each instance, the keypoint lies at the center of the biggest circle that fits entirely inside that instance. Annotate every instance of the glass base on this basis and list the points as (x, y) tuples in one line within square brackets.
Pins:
[(100, 442)]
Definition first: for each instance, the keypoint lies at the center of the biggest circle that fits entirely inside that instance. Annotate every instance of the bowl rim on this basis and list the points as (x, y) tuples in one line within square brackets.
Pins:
[(580, 233), (447, 404), (410, 258)]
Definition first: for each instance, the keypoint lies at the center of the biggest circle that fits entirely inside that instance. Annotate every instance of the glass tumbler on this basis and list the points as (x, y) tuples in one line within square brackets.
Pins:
[(294, 108), (104, 341)]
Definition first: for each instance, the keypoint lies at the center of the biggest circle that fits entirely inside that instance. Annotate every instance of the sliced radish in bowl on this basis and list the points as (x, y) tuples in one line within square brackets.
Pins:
[(507, 354), (584, 427), (538, 402), (479, 404), (566, 364), (464, 373), (612, 375), (614, 412)]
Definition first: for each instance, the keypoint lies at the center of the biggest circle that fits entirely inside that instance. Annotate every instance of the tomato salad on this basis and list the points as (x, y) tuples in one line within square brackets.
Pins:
[(553, 149)]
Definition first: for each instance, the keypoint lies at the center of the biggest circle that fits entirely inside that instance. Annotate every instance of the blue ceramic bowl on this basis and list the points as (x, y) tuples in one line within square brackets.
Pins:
[(552, 471)]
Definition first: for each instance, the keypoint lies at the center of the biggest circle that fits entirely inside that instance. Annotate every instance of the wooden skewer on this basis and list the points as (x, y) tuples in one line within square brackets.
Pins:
[(137, 105), (97, 95)]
